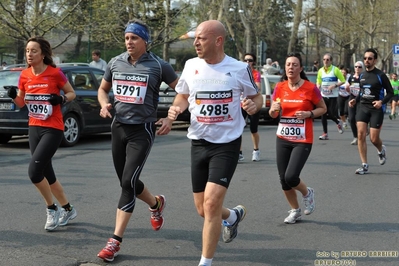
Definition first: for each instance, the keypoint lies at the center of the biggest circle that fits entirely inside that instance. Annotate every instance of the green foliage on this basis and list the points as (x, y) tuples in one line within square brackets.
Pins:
[(276, 31), (89, 24)]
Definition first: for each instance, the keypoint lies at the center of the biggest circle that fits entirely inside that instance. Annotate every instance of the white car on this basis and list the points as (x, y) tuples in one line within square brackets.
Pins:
[(268, 83)]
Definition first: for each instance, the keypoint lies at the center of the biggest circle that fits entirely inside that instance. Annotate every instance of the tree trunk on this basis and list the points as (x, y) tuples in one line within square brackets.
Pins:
[(20, 7), (165, 52), (297, 21)]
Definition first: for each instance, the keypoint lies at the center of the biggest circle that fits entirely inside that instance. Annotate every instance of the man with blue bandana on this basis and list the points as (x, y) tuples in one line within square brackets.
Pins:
[(134, 77)]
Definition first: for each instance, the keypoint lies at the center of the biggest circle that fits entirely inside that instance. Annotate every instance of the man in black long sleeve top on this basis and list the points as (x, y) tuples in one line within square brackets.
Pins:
[(374, 84)]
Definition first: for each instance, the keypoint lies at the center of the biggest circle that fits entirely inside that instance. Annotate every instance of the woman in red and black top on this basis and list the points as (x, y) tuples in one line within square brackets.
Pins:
[(39, 89), (297, 101)]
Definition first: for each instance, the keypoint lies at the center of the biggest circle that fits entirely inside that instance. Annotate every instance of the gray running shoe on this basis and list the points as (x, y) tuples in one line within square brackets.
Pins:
[(382, 156), (309, 202), (294, 215), (53, 217), (230, 231), (65, 216), (363, 169), (324, 136), (240, 157)]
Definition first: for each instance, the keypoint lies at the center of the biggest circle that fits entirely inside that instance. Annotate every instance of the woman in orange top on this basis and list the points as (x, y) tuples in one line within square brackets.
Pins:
[(297, 101), (39, 89), (250, 58)]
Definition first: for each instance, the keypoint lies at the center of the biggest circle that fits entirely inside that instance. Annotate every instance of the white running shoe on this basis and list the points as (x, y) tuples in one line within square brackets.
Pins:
[(294, 215), (354, 141), (324, 136), (65, 216), (230, 231), (53, 217), (362, 170), (255, 156)]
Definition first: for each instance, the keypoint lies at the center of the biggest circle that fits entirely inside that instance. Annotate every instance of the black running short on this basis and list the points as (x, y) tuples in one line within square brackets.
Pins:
[(212, 162)]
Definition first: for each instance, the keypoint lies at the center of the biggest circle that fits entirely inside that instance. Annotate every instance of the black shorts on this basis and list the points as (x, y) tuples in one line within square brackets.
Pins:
[(212, 162), (370, 115)]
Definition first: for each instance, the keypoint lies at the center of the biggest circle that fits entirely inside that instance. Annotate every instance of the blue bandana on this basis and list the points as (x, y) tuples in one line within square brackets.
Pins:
[(139, 30)]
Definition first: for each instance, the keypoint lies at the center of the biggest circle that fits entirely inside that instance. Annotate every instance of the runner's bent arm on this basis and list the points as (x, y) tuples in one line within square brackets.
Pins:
[(388, 89), (103, 91), (180, 104), (257, 99), (103, 98), (166, 123)]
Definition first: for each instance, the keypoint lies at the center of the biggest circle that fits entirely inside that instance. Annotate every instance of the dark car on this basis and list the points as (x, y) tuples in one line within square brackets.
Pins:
[(81, 116), (166, 96)]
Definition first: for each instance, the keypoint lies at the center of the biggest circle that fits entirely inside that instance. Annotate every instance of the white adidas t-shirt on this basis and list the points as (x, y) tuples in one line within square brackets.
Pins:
[(214, 92)]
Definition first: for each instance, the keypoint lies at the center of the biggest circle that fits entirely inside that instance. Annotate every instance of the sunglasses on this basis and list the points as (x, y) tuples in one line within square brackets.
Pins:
[(368, 58), (358, 67), (248, 60)]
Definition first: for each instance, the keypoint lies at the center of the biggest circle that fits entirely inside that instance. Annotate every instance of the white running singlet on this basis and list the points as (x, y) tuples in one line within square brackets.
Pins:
[(214, 98)]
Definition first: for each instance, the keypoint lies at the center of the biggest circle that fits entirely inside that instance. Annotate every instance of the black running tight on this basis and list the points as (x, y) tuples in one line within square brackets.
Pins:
[(291, 158), (43, 143), (131, 145), (332, 112)]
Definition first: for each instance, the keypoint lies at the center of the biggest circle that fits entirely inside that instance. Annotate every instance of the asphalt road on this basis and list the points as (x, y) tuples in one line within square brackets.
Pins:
[(355, 215)]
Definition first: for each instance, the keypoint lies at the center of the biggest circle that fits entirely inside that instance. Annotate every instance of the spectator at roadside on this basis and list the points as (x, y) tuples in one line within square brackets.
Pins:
[(315, 67), (98, 62), (271, 68)]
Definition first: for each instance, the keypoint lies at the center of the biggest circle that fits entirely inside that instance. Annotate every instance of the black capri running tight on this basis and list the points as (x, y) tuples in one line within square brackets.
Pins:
[(253, 120), (43, 143), (291, 158), (131, 145)]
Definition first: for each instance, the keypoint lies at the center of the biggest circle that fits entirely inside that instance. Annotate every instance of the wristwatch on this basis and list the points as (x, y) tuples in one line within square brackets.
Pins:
[(311, 114)]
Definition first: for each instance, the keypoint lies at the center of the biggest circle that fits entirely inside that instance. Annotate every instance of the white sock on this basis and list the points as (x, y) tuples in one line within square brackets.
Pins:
[(205, 261), (232, 217)]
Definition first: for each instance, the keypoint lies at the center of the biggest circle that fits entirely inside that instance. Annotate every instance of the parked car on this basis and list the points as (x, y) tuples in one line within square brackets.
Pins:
[(268, 82), (81, 116), (166, 96)]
